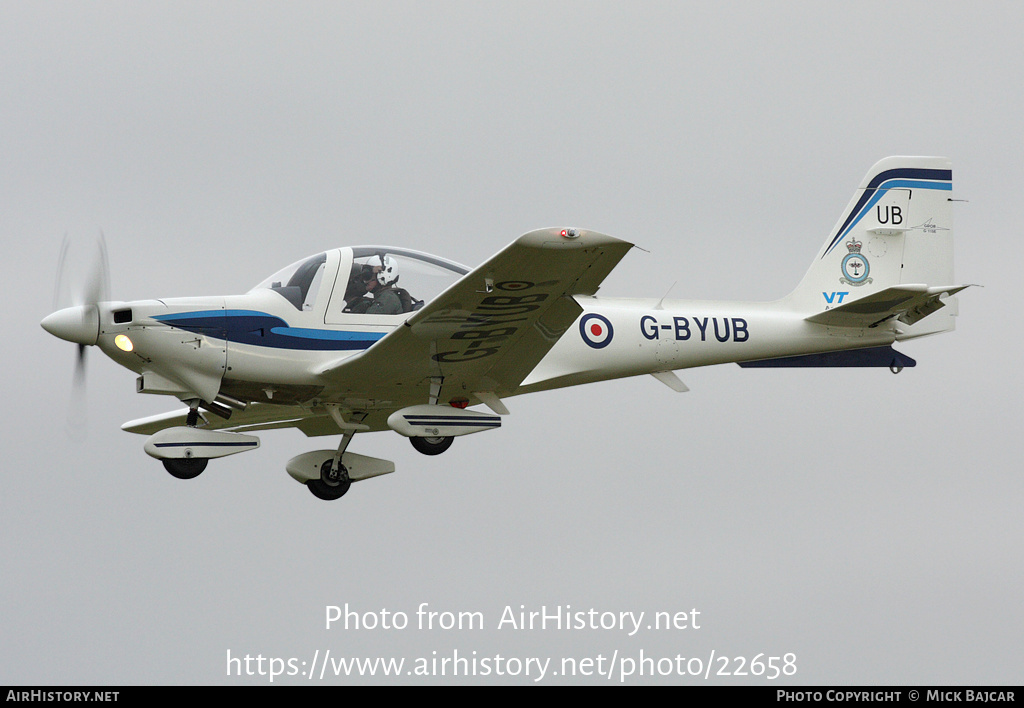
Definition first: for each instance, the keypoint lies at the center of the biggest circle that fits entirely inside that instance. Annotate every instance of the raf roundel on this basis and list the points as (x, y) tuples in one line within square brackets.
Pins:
[(596, 331)]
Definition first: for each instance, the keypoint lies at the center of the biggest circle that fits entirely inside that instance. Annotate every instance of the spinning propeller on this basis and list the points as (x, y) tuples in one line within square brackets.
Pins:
[(83, 277)]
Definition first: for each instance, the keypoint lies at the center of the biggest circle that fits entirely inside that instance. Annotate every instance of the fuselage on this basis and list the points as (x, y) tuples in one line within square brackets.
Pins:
[(272, 344), (255, 347)]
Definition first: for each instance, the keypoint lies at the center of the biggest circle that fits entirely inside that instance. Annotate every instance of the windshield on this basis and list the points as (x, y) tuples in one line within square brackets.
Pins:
[(299, 282)]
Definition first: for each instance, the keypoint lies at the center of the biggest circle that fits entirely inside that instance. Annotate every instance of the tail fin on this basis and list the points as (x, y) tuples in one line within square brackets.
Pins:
[(897, 230)]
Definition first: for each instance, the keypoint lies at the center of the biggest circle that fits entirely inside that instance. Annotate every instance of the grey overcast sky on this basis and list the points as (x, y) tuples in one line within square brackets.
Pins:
[(865, 523)]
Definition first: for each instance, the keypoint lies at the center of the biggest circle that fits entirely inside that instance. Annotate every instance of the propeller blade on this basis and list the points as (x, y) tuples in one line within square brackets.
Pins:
[(97, 283), (80, 367), (83, 272), (58, 294), (77, 424)]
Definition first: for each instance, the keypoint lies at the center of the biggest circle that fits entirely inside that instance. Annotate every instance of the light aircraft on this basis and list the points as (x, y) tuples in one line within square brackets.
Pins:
[(372, 338)]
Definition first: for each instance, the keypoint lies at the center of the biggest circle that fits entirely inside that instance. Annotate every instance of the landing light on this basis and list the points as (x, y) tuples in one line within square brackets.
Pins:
[(123, 343)]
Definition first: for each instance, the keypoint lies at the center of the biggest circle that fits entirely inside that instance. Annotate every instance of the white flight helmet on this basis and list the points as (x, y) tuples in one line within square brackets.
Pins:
[(388, 270)]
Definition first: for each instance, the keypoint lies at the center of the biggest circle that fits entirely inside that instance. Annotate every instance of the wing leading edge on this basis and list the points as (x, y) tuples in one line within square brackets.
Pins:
[(257, 416)]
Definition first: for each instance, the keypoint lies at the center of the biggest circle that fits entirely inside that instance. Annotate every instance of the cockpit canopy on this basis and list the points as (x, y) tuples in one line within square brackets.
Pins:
[(416, 278)]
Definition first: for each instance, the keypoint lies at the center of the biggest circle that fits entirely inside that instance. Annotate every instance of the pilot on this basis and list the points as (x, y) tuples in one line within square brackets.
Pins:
[(379, 286)]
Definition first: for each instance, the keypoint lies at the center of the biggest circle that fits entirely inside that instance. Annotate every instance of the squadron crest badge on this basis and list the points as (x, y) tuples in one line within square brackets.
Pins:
[(855, 266)]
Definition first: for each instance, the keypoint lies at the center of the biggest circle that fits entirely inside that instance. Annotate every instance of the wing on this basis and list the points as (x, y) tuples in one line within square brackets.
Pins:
[(256, 416), (908, 303), (486, 332)]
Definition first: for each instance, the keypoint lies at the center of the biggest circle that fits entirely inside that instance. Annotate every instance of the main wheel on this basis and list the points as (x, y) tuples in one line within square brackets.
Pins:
[(432, 446), (330, 487), (186, 467)]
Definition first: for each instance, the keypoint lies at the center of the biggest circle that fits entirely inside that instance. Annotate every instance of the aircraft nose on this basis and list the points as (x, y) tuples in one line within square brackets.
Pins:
[(79, 324)]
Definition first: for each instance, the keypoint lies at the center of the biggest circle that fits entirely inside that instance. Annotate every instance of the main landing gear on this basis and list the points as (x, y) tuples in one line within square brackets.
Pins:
[(333, 483), (431, 446)]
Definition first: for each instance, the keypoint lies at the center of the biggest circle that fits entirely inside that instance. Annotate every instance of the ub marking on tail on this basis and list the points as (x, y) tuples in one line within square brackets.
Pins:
[(373, 338)]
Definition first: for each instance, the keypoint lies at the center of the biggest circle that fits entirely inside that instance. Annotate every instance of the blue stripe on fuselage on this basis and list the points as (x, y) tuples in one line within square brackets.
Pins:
[(264, 330)]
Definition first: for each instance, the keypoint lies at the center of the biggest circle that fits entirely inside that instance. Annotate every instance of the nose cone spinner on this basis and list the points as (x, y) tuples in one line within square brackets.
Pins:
[(79, 324)]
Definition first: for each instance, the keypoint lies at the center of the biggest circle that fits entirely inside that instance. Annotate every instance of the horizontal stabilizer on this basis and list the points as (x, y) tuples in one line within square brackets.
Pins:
[(874, 356), (907, 303)]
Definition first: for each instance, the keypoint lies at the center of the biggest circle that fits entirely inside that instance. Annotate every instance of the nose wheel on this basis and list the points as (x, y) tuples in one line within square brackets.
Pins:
[(186, 468), (333, 483)]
